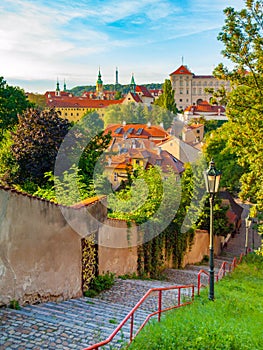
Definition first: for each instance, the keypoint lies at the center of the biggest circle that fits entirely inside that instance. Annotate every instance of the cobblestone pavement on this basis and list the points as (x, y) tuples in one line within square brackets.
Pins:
[(77, 323)]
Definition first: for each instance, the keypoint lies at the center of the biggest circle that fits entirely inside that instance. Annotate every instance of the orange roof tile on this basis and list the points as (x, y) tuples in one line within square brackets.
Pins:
[(205, 107), (182, 70), (145, 92), (137, 131), (79, 102)]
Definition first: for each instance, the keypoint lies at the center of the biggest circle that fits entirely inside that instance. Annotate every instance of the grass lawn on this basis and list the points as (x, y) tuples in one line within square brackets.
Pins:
[(233, 321)]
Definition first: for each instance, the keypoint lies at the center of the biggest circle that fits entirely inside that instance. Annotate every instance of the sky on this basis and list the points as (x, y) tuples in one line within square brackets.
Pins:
[(45, 40)]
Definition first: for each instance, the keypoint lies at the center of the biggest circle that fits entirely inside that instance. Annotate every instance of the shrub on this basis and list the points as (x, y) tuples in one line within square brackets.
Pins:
[(99, 284)]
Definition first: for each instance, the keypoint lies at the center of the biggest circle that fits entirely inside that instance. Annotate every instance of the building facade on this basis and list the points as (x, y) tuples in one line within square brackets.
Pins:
[(189, 89)]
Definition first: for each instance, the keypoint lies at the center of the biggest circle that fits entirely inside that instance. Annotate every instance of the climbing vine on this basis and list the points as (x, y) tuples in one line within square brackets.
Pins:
[(147, 187), (89, 263)]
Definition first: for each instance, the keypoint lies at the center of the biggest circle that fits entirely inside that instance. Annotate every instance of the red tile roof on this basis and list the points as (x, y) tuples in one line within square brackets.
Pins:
[(152, 157), (137, 131), (182, 70), (145, 92), (79, 102), (135, 97), (204, 106)]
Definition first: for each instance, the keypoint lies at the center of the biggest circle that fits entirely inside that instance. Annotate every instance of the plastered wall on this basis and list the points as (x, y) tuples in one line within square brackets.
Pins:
[(40, 253)]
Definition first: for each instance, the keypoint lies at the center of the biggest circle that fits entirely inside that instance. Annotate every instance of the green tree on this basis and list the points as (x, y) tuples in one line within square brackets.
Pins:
[(217, 146), (37, 100), (138, 113), (8, 164), (166, 100), (13, 101), (242, 36), (36, 141)]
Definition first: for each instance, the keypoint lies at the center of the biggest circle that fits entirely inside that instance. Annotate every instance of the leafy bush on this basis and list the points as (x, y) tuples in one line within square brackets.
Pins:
[(99, 284)]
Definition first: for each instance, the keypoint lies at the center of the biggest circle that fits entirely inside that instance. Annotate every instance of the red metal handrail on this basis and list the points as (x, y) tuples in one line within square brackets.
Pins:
[(221, 273), (130, 315)]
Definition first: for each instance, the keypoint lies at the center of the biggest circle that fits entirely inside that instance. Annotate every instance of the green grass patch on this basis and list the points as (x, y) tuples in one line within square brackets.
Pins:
[(233, 321)]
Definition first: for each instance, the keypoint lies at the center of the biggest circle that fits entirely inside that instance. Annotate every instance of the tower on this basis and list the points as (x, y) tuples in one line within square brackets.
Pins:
[(116, 77), (65, 87), (132, 84), (99, 86), (57, 93)]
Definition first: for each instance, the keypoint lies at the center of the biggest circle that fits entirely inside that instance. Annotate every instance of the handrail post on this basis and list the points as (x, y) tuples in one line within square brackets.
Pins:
[(179, 296), (159, 305), (131, 328), (198, 283)]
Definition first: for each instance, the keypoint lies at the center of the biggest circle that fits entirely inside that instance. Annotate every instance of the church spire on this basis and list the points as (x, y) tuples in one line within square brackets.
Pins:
[(99, 86), (132, 84), (65, 87), (57, 89)]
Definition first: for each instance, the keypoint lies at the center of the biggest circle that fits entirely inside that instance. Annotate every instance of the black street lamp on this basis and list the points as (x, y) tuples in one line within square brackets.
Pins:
[(248, 222), (212, 179)]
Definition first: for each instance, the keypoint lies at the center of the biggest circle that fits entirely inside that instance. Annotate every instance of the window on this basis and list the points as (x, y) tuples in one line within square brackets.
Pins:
[(181, 91), (187, 92), (130, 131), (118, 130), (115, 177), (180, 100), (66, 113), (194, 91), (200, 91), (198, 131), (181, 83), (139, 131)]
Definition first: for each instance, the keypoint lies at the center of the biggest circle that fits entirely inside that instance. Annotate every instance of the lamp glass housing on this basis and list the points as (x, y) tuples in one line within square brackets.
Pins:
[(212, 179)]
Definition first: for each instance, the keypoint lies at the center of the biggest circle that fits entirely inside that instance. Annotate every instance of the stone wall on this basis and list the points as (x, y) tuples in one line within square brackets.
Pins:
[(40, 253), (200, 247), (118, 247)]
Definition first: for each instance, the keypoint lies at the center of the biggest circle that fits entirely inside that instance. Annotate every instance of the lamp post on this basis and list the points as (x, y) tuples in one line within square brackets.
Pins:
[(248, 221), (212, 179)]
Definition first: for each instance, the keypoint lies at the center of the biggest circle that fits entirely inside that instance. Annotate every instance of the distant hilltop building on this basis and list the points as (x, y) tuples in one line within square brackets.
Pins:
[(189, 89), (74, 108), (189, 94)]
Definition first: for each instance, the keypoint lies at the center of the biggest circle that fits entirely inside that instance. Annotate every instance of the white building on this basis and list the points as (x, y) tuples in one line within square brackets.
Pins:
[(189, 89)]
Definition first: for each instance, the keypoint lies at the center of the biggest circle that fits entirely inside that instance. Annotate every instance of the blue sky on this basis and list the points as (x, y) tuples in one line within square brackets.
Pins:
[(41, 40)]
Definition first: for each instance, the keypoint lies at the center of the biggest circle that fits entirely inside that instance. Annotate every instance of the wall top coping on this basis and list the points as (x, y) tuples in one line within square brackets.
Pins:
[(84, 203)]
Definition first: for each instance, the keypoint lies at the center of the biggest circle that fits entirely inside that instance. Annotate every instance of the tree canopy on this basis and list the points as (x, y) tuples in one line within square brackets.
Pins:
[(36, 141), (242, 36), (166, 100), (137, 113), (13, 101)]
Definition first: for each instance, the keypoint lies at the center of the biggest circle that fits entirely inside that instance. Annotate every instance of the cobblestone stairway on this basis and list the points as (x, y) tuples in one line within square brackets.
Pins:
[(72, 324), (77, 323)]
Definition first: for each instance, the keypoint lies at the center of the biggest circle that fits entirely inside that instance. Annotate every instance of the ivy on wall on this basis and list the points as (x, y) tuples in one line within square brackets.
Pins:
[(147, 187), (89, 261)]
